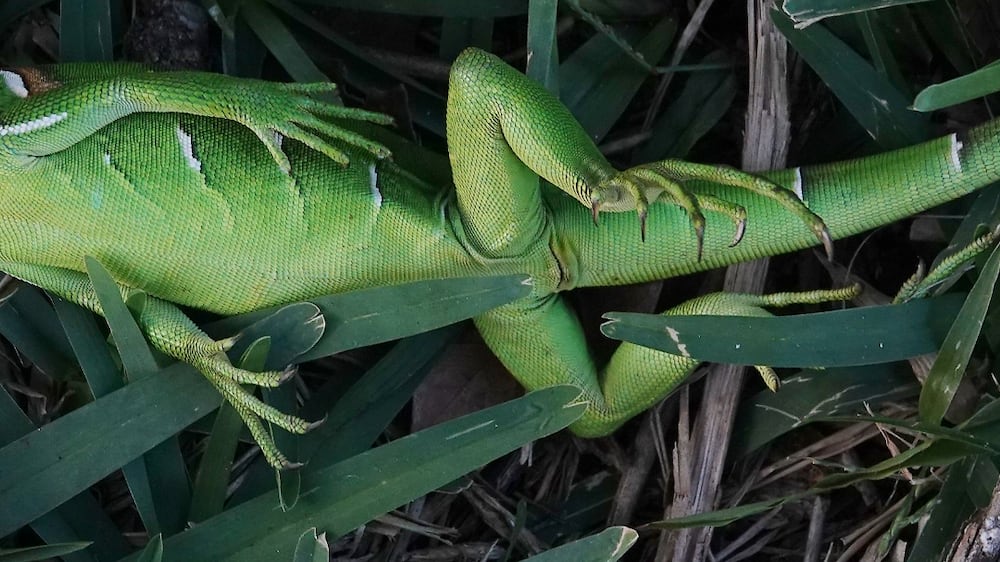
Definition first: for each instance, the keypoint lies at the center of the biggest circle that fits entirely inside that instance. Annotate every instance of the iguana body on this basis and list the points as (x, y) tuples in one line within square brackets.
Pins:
[(175, 184)]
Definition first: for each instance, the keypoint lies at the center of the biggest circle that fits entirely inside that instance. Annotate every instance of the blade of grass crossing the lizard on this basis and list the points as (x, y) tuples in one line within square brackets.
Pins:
[(952, 359), (982, 82), (858, 336), (61, 459), (607, 546), (543, 51), (381, 314), (341, 497), (86, 32), (158, 481), (875, 103)]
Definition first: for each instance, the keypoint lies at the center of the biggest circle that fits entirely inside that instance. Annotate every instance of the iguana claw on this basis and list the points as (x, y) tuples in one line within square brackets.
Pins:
[(638, 187)]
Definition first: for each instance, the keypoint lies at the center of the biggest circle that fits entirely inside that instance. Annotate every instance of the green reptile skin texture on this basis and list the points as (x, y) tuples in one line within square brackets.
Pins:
[(229, 195)]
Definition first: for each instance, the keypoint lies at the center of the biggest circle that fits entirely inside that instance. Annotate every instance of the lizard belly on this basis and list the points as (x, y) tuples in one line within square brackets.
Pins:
[(181, 206)]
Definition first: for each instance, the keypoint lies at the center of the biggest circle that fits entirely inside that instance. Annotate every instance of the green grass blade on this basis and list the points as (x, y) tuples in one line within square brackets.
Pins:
[(48, 466), (813, 10), (599, 80), (28, 322), (364, 411), (341, 497), (311, 547), (79, 518), (381, 314), (811, 395), (950, 508), (977, 84), (158, 482), (153, 551), (543, 61), (607, 546), (273, 33), (701, 103), (438, 8), (86, 33), (858, 336), (949, 367), (46, 552), (357, 416), (875, 103)]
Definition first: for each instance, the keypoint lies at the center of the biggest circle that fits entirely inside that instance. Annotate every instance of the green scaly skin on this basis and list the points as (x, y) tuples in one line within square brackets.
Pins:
[(215, 193)]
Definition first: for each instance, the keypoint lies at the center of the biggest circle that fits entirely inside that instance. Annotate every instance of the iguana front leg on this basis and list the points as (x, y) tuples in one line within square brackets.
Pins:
[(171, 332), (47, 109)]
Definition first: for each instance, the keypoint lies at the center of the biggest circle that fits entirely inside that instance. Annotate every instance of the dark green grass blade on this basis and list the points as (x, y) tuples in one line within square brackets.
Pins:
[(158, 481), (874, 102), (86, 32), (811, 10), (27, 321), (977, 84), (543, 64), (702, 102), (859, 336), (813, 395), (606, 546), (359, 414), (949, 367), (46, 552), (79, 518), (343, 496), (438, 8), (48, 466), (381, 314)]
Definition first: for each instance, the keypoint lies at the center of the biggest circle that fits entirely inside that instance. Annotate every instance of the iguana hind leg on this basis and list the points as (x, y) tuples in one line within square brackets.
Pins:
[(171, 332), (541, 343)]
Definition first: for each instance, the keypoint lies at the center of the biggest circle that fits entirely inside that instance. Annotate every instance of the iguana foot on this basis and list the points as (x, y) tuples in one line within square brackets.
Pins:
[(273, 111), (921, 282), (227, 379), (638, 187)]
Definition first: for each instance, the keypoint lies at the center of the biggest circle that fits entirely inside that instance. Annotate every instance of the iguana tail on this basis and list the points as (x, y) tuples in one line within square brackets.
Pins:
[(851, 197)]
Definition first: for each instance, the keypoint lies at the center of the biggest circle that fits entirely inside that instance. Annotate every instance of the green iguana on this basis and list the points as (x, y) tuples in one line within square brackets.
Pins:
[(231, 195)]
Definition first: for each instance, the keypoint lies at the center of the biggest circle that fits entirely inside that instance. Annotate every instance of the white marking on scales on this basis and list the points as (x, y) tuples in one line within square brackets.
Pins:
[(14, 83), (954, 148), (187, 149), (373, 185), (33, 125), (797, 184)]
